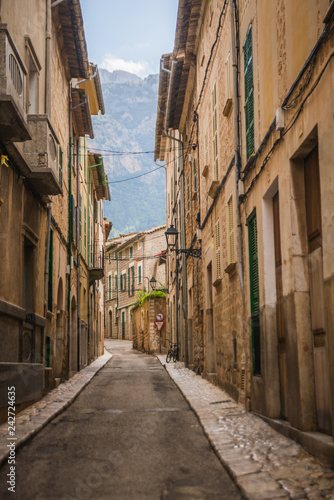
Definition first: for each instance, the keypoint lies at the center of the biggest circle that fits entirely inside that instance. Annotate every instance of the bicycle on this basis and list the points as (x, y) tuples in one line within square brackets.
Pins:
[(173, 352)]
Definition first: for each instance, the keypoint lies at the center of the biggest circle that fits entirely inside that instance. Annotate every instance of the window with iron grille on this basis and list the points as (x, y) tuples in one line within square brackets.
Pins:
[(254, 292), (249, 93)]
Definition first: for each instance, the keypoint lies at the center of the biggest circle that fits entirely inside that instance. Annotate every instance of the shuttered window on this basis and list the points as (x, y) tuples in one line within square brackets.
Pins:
[(215, 131), (116, 282), (60, 166), (139, 274), (131, 252), (254, 293), (230, 230), (206, 148), (50, 275), (195, 175), (133, 279), (129, 283), (249, 93), (217, 238), (109, 286)]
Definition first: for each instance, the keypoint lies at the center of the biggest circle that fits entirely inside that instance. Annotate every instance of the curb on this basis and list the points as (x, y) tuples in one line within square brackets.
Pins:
[(34, 418)]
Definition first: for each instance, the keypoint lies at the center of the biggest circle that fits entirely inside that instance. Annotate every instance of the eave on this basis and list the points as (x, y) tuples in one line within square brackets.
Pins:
[(73, 34)]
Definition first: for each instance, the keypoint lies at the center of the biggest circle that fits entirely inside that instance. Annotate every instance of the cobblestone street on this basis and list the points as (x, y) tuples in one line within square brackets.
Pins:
[(264, 463)]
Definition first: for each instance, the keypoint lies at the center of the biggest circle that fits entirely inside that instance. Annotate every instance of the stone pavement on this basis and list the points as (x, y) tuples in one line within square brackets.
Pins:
[(264, 463), (35, 417)]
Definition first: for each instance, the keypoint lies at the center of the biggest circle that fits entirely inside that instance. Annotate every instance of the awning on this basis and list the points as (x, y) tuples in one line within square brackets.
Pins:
[(81, 112)]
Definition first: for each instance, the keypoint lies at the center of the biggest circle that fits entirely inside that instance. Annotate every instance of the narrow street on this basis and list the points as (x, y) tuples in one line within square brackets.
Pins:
[(130, 434)]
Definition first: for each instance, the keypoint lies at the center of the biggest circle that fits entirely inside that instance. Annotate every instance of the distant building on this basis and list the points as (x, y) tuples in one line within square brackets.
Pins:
[(131, 261)]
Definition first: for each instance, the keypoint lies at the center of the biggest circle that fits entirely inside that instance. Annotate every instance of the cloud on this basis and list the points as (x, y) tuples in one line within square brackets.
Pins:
[(112, 63)]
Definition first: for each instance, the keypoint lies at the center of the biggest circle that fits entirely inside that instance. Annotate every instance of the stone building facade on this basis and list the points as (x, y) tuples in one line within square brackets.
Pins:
[(48, 90), (131, 261), (244, 91)]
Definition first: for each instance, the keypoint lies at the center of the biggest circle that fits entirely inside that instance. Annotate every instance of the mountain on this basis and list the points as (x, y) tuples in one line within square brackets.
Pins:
[(128, 127)]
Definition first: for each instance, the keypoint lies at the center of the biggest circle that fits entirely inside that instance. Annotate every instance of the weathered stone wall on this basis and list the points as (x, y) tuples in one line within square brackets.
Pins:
[(146, 336)]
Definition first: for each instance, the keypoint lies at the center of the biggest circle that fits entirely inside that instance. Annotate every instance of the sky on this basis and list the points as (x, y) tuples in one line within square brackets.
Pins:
[(129, 35)]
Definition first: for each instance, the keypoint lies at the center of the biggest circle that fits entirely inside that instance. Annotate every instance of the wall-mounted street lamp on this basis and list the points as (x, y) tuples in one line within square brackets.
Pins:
[(153, 282), (171, 238)]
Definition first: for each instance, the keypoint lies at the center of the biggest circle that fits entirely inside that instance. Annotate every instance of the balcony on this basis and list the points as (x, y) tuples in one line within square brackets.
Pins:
[(96, 264), (42, 155), (13, 117)]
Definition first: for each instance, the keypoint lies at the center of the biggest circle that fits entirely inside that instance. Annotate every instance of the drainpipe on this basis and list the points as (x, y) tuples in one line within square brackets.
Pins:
[(237, 150), (47, 253), (117, 314), (47, 97), (78, 256)]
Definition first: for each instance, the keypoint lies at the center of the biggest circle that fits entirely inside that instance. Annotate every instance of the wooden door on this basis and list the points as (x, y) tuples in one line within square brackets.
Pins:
[(280, 310), (318, 324)]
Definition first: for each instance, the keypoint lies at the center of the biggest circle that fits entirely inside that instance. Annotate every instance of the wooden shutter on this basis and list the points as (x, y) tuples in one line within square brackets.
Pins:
[(217, 237), (254, 292), (129, 284), (50, 274), (195, 175), (215, 131), (60, 166), (206, 147), (230, 229), (249, 93), (109, 286), (133, 279)]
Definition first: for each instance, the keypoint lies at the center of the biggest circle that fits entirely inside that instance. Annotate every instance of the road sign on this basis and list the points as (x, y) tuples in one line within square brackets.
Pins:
[(159, 317), (159, 324)]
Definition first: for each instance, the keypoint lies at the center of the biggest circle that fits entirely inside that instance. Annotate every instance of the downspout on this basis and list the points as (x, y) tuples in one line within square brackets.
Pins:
[(69, 232), (117, 314), (47, 96), (237, 150)]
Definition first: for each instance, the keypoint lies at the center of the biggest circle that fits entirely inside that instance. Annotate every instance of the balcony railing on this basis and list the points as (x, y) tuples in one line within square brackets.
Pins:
[(96, 263), (13, 117)]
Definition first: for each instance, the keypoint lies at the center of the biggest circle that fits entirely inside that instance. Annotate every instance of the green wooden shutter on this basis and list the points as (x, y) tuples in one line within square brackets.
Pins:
[(60, 166), (139, 274), (121, 282), (129, 285), (254, 292), (50, 276), (195, 176), (133, 280), (249, 93)]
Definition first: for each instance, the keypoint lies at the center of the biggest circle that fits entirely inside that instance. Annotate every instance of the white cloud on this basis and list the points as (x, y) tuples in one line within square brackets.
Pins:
[(112, 63)]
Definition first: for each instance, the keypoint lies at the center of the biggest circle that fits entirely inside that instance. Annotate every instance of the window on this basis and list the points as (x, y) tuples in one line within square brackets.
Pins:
[(50, 274), (133, 279), (109, 286), (254, 293), (195, 176), (188, 194), (60, 166), (230, 231), (215, 132), (121, 282), (131, 252), (116, 281), (249, 93), (139, 274), (129, 284), (217, 238)]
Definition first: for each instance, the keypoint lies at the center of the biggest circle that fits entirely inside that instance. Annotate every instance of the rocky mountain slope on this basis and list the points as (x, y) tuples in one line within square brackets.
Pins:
[(126, 128)]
